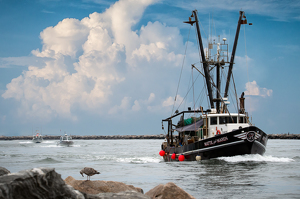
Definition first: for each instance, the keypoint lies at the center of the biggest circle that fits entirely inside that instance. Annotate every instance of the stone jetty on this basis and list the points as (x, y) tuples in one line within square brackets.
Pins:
[(87, 137), (121, 137), (284, 136)]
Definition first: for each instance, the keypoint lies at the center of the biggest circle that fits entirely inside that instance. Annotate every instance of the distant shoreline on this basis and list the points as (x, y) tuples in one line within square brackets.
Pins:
[(121, 137)]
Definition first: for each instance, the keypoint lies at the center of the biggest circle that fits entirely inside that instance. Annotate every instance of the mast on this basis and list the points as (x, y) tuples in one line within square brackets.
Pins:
[(204, 62), (218, 63), (218, 95), (241, 21)]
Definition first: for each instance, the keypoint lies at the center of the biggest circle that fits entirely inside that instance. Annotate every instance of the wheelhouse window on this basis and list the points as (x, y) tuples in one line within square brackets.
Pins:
[(222, 120), (227, 120), (232, 119), (242, 120), (213, 121)]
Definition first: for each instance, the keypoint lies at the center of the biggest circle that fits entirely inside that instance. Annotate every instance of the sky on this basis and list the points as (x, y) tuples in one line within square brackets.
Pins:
[(100, 67)]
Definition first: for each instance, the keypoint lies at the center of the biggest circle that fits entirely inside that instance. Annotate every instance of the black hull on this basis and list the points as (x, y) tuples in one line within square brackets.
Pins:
[(250, 140)]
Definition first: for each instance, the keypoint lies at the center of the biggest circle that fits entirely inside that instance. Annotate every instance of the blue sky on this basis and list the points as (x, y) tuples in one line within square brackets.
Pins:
[(96, 67)]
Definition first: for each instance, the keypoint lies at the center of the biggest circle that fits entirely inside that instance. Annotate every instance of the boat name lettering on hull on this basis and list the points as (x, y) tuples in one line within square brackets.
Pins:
[(213, 142)]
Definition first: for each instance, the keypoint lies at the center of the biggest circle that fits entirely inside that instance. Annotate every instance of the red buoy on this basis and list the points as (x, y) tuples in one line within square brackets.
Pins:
[(181, 158), (162, 153), (173, 156)]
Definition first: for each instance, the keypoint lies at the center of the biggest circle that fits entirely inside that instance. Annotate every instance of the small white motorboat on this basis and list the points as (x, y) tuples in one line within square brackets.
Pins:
[(37, 138), (65, 140)]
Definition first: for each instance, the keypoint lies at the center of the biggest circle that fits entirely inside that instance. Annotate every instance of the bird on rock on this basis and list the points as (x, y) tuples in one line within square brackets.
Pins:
[(88, 171)]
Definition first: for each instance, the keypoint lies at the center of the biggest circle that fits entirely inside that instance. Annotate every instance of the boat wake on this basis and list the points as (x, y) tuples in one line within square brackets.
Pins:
[(26, 142), (139, 160), (49, 142), (255, 158), (51, 146)]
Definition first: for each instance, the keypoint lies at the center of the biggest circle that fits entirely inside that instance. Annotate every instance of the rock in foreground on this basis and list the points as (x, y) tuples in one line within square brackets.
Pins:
[(44, 183), (36, 183), (95, 187), (120, 195), (168, 191), (3, 171)]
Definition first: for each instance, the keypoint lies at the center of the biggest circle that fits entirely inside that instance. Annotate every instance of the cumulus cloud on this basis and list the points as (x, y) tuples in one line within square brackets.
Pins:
[(103, 50), (127, 105), (159, 46), (252, 89), (65, 38), (7, 62), (170, 101)]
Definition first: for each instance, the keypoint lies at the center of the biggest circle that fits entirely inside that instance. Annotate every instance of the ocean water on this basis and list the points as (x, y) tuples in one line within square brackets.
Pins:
[(137, 162)]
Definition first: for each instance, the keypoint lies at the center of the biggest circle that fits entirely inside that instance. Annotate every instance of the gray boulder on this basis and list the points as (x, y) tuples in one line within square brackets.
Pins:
[(3, 171), (168, 191), (99, 186), (36, 183), (120, 195)]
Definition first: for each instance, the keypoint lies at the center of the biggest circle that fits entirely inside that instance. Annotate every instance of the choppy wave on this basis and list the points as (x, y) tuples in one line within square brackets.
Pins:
[(48, 160), (51, 146), (49, 142), (296, 158), (26, 142), (139, 160), (255, 158)]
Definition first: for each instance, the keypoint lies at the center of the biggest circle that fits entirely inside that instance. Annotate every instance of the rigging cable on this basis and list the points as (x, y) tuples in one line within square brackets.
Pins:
[(188, 91), (189, 86), (247, 73), (194, 98), (235, 93), (181, 71), (194, 95), (202, 60)]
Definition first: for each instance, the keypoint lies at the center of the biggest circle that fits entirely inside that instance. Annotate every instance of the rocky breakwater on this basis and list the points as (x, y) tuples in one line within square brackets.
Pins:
[(121, 137), (118, 137), (45, 183), (87, 137), (284, 136)]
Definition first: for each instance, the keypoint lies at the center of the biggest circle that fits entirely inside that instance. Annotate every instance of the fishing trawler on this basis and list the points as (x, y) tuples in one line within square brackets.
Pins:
[(37, 138), (214, 132)]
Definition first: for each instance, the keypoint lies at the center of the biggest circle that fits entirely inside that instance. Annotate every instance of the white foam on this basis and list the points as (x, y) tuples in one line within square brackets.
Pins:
[(26, 142), (47, 142), (139, 160), (255, 158), (50, 146)]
